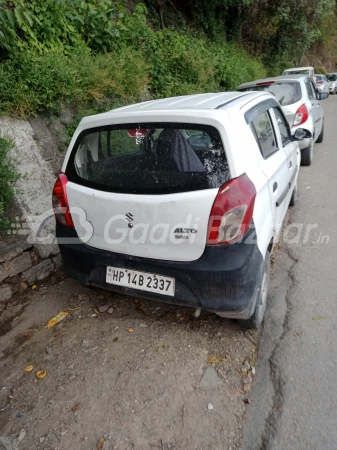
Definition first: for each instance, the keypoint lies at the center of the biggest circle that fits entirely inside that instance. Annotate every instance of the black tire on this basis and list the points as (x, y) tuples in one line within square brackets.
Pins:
[(321, 136), (307, 154), (293, 197), (256, 320)]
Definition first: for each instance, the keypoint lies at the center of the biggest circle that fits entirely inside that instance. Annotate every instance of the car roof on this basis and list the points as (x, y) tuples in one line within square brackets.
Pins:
[(204, 107), (175, 105), (196, 101), (280, 78)]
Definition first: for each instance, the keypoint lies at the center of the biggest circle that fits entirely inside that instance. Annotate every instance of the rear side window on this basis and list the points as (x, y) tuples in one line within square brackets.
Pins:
[(310, 89), (264, 133), (286, 93), (284, 127), (149, 158)]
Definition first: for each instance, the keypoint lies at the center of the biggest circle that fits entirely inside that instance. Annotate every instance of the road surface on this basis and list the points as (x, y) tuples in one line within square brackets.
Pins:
[(294, 400)]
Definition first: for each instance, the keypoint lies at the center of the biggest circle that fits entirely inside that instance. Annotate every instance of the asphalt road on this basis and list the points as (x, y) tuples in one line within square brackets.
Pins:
[(294, 400)]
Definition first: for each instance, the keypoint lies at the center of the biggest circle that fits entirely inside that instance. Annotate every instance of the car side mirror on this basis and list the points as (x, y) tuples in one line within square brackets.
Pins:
[(301, 133), (322, 95)]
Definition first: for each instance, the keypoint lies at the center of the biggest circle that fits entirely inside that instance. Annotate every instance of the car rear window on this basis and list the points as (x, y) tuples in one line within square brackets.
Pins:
[(297, 72), (332, 77), (149, 158), (286, 93)]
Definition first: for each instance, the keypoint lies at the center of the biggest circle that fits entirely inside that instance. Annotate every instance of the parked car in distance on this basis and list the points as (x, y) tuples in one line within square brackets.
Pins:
[(309, 70), (332, 78), (300, 103), (180, 200), (322, 83)]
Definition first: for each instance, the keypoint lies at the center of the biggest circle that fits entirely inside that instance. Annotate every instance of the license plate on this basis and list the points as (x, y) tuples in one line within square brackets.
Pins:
[(143, 281)]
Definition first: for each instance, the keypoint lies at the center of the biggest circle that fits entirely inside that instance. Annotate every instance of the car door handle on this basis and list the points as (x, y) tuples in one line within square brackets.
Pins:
[(290, 164), (275, 185)]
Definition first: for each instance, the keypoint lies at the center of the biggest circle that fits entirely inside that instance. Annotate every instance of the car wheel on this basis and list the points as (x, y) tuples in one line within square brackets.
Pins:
[(293, 197), (307, 154), (255, 321), (321, 136)]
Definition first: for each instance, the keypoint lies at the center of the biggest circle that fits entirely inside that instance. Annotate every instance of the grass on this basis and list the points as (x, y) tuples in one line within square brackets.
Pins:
[(8, 178)]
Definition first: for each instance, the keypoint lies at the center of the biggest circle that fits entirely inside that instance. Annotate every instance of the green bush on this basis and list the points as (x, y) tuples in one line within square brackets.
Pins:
[(8, 177), (41, 26), (87, 51), (29, 84), (185, 63), (164, 64)]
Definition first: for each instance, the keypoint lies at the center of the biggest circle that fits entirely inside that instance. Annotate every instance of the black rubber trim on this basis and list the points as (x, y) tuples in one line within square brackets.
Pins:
[(285, 192), (252, 113), (232, 100), (282, 196), (318, 120)]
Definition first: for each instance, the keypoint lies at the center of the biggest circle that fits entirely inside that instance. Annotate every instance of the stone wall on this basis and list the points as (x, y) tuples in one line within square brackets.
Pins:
[(23, 264), (29, 253)]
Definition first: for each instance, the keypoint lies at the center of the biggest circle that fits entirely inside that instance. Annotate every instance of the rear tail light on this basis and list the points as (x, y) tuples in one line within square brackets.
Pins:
[(60, 201), (232, 211), (319, 82), (301, 115)]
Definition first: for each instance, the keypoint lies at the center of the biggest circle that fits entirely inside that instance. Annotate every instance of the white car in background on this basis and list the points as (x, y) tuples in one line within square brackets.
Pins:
[(180, 200), (299, 99), (332, 78), (322, 83)]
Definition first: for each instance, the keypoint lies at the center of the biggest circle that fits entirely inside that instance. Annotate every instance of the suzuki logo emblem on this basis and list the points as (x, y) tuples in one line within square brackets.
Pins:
[(129, 218)]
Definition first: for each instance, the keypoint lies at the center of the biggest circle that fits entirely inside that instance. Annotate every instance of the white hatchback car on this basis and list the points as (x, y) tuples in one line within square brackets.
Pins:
[(332, 77), (300, 103), (322, 83), (179, 200)]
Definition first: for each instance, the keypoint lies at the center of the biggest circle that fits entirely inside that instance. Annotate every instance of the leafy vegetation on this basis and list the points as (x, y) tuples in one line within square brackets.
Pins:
[(281, 32), (96, 52), (8, 177), (31, 83)]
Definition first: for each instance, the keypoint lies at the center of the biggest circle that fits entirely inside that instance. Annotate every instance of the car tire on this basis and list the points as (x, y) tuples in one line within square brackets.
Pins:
[(307, 154), (255, 321), (321, 136), (293, 197)]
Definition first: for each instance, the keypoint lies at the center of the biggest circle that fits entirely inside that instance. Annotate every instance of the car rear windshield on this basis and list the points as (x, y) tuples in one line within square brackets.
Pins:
[(286, 93), (332, 77), (319, 77), (149, 158)]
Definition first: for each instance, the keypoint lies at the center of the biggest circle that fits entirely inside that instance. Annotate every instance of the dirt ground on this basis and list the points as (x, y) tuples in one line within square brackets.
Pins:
[(174, 382)]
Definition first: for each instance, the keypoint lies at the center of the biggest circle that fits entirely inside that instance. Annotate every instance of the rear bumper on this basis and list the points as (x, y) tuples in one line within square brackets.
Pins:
[(225, 279)]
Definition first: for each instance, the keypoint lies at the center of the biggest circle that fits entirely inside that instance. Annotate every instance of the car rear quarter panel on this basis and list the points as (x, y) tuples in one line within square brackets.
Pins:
[(246, 159)]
